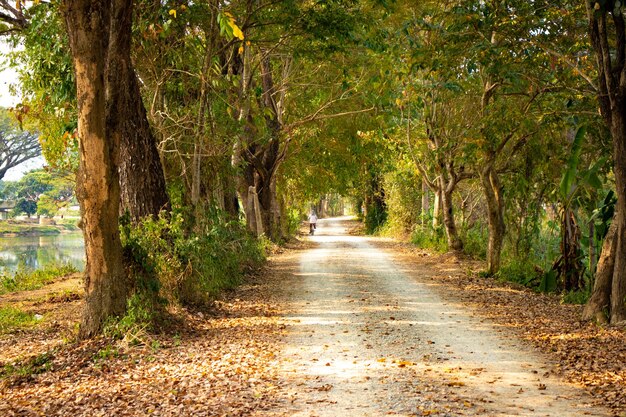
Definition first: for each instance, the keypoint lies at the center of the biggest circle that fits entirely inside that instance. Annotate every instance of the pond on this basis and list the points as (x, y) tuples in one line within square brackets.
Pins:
[(35, 252)]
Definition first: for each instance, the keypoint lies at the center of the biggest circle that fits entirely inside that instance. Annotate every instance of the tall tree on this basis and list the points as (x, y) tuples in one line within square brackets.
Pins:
[(98, 191), (607, 31), (16, 146)]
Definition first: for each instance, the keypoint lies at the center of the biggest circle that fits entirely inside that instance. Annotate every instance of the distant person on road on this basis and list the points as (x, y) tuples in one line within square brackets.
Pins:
[(312, 222)]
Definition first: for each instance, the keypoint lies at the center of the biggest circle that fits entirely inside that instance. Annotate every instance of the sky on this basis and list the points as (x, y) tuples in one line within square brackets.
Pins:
[(8, 76)]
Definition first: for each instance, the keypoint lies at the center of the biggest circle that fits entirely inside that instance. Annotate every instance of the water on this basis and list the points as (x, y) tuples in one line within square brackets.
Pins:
[(35, 252)]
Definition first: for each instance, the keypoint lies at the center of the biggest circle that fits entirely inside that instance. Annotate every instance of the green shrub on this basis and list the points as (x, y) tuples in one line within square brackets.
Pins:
[(294, 220), (577, 297), (191, 267), (375, 218), (520, 272), (428, 238), (475, 243)]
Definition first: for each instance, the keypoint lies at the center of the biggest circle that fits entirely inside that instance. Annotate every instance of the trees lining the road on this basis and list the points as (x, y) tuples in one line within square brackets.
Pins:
[(251, 110)]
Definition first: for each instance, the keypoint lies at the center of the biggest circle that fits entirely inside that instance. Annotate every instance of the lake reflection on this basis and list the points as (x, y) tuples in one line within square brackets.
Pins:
[(38, 251)]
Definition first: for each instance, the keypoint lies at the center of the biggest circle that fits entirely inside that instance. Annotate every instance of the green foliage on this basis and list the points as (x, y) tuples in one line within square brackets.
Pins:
[(519, 272), (294, 219), (26, 279), (375, 217), (12, 318), (427, 238), (402, 199), (549, 281), (577, 297), (28, 229), (142, 312), (475, 242), (192, 267)]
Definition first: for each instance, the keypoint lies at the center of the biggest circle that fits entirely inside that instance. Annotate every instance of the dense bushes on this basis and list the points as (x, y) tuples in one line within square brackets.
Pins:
[(190, 267)]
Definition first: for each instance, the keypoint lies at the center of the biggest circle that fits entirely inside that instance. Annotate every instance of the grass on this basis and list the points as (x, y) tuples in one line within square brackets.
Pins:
[(12, 318), (27, 229), (24, 279)]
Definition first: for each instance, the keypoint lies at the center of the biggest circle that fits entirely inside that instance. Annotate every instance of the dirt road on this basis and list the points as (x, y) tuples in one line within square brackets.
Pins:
[(367, 336)]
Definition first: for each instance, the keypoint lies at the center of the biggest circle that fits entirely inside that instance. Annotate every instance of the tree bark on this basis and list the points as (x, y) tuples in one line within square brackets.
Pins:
[(600, 300), (98, 189), (607, 32), (425, 201), (618, 290), (437, 208), (454, 242), (495, 216), (143, 190)]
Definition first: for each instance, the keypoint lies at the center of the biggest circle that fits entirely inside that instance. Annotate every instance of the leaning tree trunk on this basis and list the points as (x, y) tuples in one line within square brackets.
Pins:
[(143, 191), (495, 216), (98, 189), (143, 188)]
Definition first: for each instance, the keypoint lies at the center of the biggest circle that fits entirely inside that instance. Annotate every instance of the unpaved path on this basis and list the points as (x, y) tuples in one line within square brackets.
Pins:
[(367, 336)]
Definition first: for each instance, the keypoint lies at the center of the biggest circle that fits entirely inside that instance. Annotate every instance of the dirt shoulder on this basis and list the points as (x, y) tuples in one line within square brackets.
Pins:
[(585, 354)]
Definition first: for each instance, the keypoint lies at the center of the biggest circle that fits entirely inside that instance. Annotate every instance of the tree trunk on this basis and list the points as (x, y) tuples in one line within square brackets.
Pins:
[(592, 247), (495, 215), (425, 201), (454, 242), (571, 268), (600, 300), (618, 290), (98, 189), (437, 208), (607, 32), (143, 191)]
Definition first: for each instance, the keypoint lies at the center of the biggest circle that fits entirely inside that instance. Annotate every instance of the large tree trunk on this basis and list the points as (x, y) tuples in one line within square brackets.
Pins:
[(600, 300), (618, 290), (143, 191), (495, 215), (607, 31), (98, 189)]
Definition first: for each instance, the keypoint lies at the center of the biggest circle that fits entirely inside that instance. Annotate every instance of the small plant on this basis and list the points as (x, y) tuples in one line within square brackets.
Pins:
[(27, 368), (576, 297), (106, 353)]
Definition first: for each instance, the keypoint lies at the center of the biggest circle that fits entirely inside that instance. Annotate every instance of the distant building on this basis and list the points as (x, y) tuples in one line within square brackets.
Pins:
[(5, 207)]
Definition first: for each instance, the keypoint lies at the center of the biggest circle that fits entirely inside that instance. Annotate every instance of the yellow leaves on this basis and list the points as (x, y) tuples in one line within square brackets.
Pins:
[(172, 12), (237, 33), (228, 26)]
